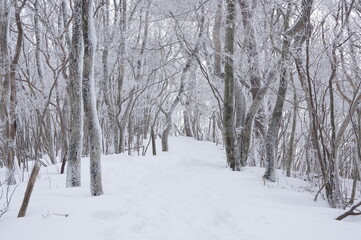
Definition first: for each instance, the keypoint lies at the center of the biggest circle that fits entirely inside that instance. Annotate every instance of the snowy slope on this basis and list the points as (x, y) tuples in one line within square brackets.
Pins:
[(185, 194)]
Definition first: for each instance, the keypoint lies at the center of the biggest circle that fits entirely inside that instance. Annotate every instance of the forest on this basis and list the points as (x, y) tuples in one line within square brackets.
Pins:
[(277, 83)]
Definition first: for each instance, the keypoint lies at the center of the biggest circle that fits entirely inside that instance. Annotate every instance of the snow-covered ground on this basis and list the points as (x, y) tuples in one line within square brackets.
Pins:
[(185, 194)]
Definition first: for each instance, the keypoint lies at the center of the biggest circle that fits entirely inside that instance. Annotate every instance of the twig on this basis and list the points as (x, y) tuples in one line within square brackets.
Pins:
[(55, 214)]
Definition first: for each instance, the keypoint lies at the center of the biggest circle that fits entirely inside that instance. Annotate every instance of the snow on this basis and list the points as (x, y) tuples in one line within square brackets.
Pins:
[(187, 193)]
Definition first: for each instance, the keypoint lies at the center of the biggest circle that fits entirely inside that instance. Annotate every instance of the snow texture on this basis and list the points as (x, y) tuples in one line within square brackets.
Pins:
[(187, 193)]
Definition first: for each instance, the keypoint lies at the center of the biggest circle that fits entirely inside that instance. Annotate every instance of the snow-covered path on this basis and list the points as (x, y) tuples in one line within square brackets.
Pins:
[(185, 194)]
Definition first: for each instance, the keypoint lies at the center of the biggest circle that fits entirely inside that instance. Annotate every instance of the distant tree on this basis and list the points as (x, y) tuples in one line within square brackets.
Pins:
[(45, 121), (190, 58)]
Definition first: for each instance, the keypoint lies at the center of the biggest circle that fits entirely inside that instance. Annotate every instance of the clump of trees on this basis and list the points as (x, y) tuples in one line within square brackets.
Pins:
[(277, 82)]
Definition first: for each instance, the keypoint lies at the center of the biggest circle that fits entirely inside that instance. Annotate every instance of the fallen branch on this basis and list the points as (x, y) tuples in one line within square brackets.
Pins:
[(55, 214), (352, 212), (29, 190)]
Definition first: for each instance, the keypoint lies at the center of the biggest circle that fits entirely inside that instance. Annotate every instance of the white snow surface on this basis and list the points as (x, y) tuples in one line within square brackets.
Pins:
[(186, 194)]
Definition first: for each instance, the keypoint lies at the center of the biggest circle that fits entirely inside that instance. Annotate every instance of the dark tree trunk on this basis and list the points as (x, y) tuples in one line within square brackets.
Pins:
[(75, 100), (229, 85)]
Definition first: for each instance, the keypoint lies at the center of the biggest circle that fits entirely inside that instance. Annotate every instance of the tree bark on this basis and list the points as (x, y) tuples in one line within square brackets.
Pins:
[(29, 190), (11, 96), (217, 41), (187, 125), (275, 121), (5, 86), (291, 144), (351, 212), (89, 99), (75, 100), (299, 31), (229, 85), (244, 137)]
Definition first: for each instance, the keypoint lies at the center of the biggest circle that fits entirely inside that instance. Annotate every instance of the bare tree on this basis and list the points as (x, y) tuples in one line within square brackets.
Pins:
[(47, 128), (89, 98), (298, 32), (229, 87), (9, 83), (190, 57), (75, 98)]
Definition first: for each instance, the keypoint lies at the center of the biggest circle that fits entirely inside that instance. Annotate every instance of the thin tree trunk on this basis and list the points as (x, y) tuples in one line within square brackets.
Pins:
[(253, 74), (64, 110), (119, 135), (291, 144), (300, 32), (275, 121), (217, 40), (244, 137), (214, 133), (146, 122), (154, 147), (130, 135), (29, 190), (187, 125), (124, 122), (107, 90)]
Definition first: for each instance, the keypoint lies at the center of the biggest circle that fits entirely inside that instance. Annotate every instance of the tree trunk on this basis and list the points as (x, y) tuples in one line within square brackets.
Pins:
[(168, 128), (29, 190), (291, 144), (89, 99), (245, 135), (124, 122), (217, 40), (187, 125), (146, 122), (299, 32), (5, 86), (11, 94), (252, 61), (275, 121), (154, 147), (166, 131), (75, 100), (229, 85), (130, 135)]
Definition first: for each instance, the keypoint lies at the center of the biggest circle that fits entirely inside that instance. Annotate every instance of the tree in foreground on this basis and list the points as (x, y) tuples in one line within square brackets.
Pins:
[(228, 115), (75, 97), (89, 98)]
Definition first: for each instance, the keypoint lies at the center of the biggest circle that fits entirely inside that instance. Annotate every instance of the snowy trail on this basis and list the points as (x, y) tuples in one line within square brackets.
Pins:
[(184, 194)]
